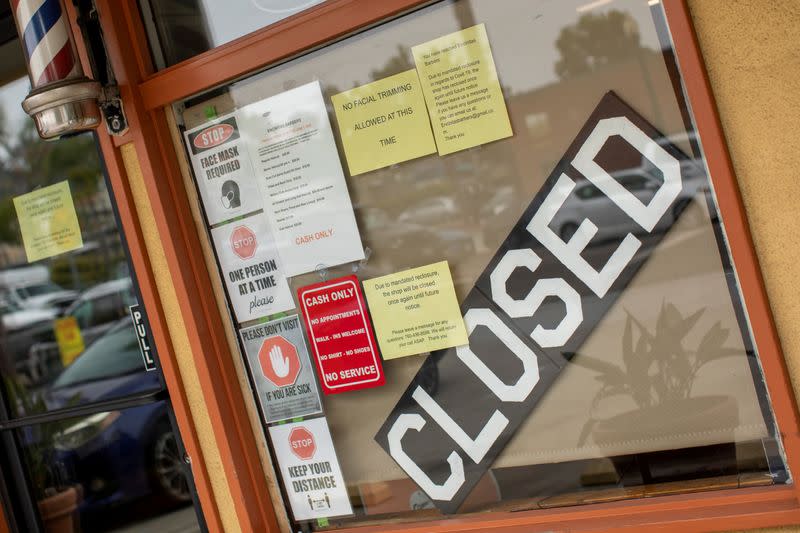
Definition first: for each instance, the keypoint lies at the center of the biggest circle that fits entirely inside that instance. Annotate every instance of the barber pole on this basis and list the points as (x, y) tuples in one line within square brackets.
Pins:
[(62, 100), (46, 38)]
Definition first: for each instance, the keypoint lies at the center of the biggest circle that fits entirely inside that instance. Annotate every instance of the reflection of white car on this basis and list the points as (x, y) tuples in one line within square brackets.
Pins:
[(16, 318), (100, 307), (39, 295), (587, 202)]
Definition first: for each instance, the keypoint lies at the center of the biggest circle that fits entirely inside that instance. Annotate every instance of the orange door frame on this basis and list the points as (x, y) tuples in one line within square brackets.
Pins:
[(132, 228), (147, 95)]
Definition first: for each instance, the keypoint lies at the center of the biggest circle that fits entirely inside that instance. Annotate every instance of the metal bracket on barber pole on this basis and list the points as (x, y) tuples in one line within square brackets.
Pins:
[(114, 113), (62, 99)]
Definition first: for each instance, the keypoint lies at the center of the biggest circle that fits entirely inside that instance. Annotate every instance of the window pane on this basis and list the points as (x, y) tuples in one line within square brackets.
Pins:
[(114, 471), (657, 387), (65, 314), (181, 29)]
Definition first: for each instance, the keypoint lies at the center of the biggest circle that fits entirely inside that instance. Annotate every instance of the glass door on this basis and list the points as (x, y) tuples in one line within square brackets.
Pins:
[(88, 440)]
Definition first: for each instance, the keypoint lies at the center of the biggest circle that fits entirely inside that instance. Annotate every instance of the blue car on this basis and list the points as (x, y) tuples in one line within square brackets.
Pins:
[(117, 456)]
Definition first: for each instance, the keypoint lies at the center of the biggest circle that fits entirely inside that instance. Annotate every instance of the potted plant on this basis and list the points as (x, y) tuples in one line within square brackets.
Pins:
[(56, 498), (658, 374)]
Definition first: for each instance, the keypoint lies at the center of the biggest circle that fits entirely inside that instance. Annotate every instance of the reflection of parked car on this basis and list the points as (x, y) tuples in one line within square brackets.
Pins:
[(39, 295), (642, 180), (588, 202), (429, 210), (117, 456), (100, 307), (30, 288), (16, 318)]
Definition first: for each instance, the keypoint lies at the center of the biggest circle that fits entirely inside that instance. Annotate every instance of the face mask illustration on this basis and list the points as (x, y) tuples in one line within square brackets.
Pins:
[(230, 195)]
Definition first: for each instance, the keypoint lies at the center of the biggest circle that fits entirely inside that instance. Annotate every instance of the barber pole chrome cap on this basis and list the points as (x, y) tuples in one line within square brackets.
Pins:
[(62, 100)]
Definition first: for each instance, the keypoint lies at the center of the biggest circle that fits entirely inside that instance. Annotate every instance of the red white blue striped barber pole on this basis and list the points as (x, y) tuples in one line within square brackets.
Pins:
[(47, 40)]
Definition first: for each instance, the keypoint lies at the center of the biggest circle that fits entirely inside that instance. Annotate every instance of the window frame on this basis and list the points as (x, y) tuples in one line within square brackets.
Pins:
[(148, 96)]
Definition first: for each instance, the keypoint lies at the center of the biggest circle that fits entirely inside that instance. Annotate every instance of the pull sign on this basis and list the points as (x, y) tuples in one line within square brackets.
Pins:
[(141, 335), (547, 287)]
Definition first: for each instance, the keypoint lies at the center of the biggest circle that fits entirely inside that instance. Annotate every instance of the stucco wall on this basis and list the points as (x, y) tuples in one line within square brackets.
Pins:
[(751, 53)]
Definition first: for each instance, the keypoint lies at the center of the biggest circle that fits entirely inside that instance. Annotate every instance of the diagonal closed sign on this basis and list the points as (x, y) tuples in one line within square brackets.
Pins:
[(542, 294)]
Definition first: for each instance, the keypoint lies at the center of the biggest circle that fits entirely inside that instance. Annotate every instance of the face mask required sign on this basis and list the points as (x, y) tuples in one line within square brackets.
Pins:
[(465, 403), (281, 370), (222, 167), (279, 155), (310, 470)]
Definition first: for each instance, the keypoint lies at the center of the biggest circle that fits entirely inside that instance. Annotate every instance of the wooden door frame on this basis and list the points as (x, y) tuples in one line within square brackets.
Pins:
[(147, 95)]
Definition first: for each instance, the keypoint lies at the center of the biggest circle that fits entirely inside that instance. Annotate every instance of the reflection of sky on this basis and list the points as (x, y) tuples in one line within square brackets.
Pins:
[(229, 20), (514, 31), (539, 33), (11, 97)]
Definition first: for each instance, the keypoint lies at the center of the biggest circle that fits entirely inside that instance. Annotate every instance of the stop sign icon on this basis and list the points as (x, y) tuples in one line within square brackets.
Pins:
[(243, 242), (301, 442), (280, 362)]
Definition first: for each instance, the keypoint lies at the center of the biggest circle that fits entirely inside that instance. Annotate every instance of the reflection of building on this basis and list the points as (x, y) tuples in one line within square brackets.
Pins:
[(551, 112)]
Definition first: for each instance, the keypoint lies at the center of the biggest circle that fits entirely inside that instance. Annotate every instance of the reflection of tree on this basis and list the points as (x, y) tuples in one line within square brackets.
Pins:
[(597, 40), (41, 163), (27, 163), (396, 64)]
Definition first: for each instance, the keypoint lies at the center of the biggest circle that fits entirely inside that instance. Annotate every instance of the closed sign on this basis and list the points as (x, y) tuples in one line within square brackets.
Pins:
[(540, 297)]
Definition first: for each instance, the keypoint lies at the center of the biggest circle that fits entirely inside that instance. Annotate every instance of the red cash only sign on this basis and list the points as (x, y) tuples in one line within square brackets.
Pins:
[(341, 335)]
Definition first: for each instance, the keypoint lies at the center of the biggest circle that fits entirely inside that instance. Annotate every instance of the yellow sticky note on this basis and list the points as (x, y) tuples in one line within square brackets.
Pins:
[(383, 123), (460, 84), (68, 338), (415, 311), (48, 222)]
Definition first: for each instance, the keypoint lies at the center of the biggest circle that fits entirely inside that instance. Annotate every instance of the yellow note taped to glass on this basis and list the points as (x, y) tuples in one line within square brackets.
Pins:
[(460, 84), (383, 123), (415, 311), (48, 222)]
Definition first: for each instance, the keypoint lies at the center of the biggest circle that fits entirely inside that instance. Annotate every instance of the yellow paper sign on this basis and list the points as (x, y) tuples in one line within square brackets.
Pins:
[(415, 311), (68, 338), (383, 123), (48, 222), (460, 84)]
